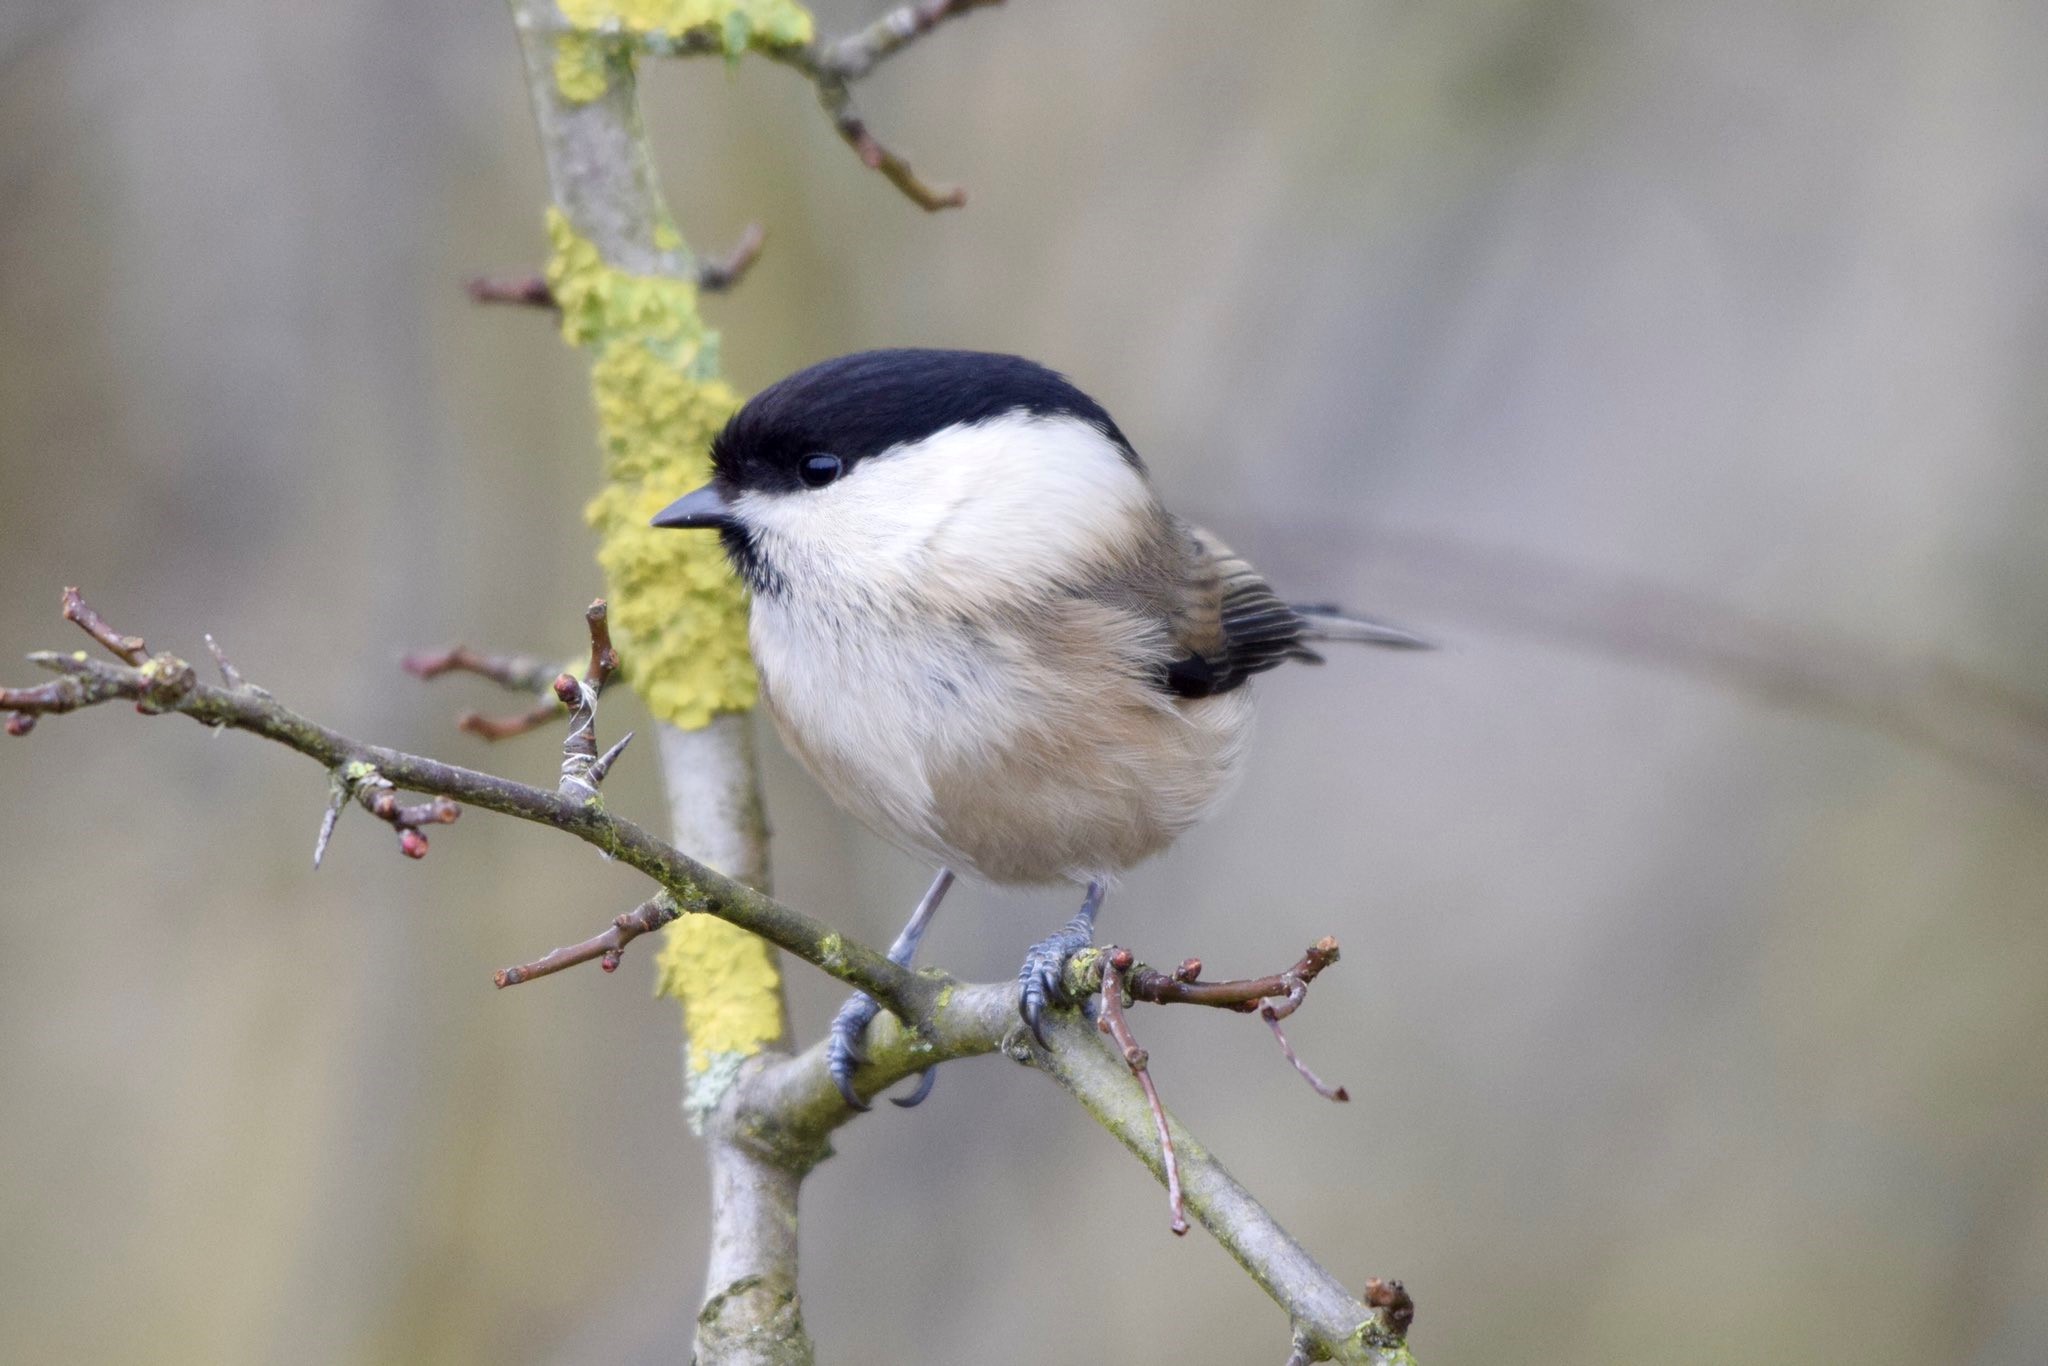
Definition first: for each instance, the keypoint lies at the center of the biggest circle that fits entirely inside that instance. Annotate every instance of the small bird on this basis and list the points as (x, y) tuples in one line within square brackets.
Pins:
[(978, 628)]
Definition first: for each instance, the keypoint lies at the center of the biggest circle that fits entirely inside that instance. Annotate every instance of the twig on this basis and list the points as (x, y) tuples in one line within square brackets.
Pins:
[(1322, 1088), (1116, 962), (165, 683), (714, 275), (128, 649), (833, 66), (1274, 997), (378, 795), (516, 673), (607, 947), (529, 290), (583, 768), (853, 56), (717, 274), (1183, 987)]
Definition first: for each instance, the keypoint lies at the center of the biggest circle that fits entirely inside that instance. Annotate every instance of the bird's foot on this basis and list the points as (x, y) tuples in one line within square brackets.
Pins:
[(845, 1050), (1041, 981)]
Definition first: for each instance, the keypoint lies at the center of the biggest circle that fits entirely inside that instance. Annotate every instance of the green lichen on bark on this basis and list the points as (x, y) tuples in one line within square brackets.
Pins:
[(739, 23)]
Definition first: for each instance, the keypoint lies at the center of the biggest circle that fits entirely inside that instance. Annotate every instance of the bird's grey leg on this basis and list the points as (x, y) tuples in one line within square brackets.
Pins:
[(843, 1048), (1038, 980)]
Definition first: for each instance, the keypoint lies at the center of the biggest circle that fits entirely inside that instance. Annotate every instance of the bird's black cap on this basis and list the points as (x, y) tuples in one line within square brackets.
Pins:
[(861, 405)]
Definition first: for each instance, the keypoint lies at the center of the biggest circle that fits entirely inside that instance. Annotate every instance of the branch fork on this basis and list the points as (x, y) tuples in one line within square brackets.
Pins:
[(794, 1097), (1116, 980)]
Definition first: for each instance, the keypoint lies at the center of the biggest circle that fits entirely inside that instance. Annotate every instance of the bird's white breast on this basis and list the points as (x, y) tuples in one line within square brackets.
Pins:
[(925, 657)]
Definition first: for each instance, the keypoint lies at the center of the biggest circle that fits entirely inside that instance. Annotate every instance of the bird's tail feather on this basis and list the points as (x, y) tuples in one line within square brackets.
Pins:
[(1325, 622)]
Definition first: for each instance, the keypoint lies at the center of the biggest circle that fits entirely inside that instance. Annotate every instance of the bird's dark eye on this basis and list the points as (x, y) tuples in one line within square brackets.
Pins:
[(818, 470)]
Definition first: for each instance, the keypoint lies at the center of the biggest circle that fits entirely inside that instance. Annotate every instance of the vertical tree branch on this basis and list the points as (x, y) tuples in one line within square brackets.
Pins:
[(601, 175)]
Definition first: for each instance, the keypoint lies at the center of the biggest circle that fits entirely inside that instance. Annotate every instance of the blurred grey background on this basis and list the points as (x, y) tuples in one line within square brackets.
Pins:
[(1640, 353)]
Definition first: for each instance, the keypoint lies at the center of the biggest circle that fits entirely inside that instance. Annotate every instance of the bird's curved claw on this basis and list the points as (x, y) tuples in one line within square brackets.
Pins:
[(924, 1088), (844, 1050), (1040, 982)]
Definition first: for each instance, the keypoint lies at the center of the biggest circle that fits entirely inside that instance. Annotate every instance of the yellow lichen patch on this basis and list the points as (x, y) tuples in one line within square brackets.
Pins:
[(727, 982), (740, 23), (678, 613), (582, 67)]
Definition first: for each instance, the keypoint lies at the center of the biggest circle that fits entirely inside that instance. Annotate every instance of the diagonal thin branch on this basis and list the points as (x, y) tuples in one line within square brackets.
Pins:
[(832, 66), (1116, 962), (165, 683)]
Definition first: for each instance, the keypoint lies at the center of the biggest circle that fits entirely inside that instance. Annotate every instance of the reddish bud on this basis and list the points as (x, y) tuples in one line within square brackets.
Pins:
[(568, 690), (412, 844), (20, 722), (1188, 971), (610, 961)]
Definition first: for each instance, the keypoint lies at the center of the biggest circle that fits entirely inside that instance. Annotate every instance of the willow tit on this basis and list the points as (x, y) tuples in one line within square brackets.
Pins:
[(980, 631)]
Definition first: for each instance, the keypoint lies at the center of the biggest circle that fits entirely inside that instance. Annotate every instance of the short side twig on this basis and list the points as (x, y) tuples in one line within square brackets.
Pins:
[(529, 290), (834, 65), (714, 275), (127, 649), (1115, 963), (1274, 997), (378, 795), (717, 274), (516, 673), (607, 947)]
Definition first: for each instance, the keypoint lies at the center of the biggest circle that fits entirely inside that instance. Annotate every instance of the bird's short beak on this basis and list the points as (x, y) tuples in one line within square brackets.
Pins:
[(704, 509)]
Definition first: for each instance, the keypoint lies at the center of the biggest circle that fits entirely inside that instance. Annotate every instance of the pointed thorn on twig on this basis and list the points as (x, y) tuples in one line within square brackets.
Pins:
[(604, 763), (229, 674), (337, 797)]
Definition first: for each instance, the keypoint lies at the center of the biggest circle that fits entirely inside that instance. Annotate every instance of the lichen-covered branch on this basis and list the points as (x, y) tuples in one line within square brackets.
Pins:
[(770, 1125), (591, 41), (788, 1108), (715, 275)]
